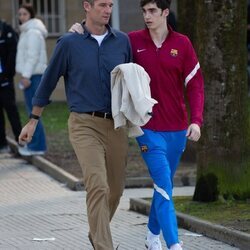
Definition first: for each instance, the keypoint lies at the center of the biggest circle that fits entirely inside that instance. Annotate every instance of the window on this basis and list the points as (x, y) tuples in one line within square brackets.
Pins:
[(52, 13)]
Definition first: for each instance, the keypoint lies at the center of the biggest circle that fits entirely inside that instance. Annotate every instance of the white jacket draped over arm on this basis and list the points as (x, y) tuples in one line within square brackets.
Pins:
[(131, 97)]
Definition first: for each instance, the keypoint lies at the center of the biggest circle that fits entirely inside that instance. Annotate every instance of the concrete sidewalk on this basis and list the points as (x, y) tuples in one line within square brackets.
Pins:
[(37, 212)]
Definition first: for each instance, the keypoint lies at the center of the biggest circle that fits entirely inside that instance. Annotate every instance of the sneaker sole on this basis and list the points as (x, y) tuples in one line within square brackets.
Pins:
[(31, 154)]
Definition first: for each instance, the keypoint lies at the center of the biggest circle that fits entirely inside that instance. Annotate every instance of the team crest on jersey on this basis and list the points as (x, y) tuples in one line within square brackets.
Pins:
[(144, 148), (174, 52)]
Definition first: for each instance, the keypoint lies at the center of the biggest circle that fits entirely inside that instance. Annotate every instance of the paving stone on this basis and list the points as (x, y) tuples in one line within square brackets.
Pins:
[(33, 205)]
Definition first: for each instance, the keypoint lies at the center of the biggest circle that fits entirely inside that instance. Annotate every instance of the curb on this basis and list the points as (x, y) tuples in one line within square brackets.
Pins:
[(50, 168), (68, 179), (76, 184), (136, 182), (56, 172), (211, 230)]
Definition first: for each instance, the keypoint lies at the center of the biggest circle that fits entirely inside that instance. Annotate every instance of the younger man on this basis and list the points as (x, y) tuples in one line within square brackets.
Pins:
[(170, 60)]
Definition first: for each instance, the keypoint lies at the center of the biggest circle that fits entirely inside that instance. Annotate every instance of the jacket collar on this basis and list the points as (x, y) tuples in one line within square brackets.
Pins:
[(87, 33)]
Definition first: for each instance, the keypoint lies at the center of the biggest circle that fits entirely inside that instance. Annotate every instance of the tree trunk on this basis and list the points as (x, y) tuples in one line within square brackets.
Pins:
[(219, 35), (187, 18)]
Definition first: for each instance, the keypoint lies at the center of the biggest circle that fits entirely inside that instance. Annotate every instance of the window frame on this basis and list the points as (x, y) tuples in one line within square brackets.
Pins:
[(45, 17)]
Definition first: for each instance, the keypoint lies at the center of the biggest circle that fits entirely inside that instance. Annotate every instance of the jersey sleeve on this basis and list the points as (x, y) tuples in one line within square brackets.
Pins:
[(194, 84)]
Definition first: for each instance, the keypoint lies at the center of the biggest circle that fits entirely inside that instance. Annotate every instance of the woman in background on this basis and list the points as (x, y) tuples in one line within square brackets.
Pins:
[(31, 62)]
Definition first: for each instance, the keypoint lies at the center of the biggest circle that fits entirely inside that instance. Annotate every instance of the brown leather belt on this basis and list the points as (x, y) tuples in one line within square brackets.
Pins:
[(101, 114)]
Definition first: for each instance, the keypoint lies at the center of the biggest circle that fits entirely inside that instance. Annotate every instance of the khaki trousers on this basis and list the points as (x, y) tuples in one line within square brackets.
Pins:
[(102, 153)]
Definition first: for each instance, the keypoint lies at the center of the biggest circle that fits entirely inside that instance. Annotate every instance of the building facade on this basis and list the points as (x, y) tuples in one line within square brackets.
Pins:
[(59, 15)]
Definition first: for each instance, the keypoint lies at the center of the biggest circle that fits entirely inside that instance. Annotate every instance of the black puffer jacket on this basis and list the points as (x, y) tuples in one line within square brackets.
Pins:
[(8, 47)]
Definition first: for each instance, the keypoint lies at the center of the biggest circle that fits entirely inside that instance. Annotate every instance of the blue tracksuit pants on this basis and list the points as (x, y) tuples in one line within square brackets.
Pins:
[(162, 151)]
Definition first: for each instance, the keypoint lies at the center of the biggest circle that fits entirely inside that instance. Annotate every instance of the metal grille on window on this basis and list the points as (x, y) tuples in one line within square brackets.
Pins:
[(51, 12)]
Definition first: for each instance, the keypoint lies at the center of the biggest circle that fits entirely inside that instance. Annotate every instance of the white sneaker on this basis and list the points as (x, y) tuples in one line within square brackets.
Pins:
[(24, 151), (154, 244), (5, 150), (177, 246)]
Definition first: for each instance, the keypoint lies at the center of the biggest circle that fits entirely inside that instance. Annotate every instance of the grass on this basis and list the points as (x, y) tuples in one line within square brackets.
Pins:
[(214, 211), (232, 214), (235, 214), (54, 117)]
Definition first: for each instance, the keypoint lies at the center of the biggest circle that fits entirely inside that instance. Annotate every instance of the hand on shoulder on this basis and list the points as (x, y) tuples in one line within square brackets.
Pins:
[(76, 28)]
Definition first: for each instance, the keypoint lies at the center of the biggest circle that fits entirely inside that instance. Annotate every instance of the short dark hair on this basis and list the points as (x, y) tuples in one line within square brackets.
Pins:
[(29, 7), (161, 4)]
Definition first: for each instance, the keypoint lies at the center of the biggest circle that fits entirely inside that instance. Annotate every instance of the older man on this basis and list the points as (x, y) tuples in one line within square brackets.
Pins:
[(86, 61)]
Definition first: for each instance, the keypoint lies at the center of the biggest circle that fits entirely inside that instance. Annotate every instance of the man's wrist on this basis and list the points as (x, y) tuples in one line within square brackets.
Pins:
[(36, 117)]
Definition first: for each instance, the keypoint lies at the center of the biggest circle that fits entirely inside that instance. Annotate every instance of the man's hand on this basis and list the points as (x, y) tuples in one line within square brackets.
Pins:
[(193, 132), (27, 132), (76, 28)]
